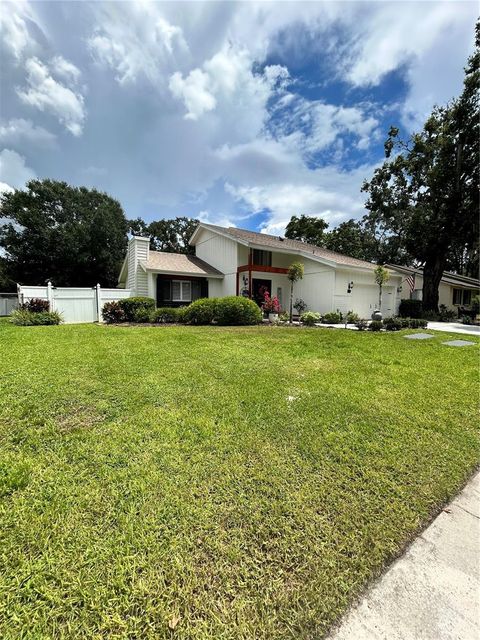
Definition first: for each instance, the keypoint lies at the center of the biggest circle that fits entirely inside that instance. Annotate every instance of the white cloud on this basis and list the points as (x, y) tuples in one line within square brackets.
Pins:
[(388, 36), (19, 129), (194, 91), (15, 34), (47, 94), (136, 41), (313, 125), (227, 86), (14, 173), (65, 69)]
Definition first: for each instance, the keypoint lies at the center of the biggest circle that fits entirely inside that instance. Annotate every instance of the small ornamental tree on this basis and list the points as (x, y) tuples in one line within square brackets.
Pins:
[(382, 276), (295, 273)]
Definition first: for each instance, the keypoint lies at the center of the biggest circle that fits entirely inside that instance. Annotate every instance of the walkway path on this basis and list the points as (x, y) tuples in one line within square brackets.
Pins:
[(433, 591)]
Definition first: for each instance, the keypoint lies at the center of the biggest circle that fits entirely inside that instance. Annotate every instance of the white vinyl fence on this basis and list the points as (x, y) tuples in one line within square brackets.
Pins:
[(76, 304), (8, 302)]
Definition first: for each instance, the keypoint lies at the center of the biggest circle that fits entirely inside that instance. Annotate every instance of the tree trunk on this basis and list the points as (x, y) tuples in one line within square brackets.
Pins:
[(432, 274)]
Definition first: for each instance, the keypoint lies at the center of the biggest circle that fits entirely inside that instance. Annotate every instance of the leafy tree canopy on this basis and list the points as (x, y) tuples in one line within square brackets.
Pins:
[(426, 194), (306, 229), (170, 235), (73, 236)]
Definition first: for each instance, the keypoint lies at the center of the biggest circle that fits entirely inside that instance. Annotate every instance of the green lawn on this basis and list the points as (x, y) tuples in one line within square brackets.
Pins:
[(230, 483)]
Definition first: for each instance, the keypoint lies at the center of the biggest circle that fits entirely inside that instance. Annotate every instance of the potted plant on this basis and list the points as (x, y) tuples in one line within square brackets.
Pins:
[(271, 306)]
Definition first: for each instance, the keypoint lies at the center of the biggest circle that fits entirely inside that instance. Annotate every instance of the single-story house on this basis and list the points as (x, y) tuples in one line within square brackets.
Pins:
[(231, 261), (455, 291)]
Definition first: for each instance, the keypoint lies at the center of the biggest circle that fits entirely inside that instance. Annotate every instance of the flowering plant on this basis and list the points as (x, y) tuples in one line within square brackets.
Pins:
[(270, 305)]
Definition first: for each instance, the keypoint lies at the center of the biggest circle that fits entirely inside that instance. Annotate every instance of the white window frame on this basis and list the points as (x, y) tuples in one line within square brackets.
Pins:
[(183, 296)]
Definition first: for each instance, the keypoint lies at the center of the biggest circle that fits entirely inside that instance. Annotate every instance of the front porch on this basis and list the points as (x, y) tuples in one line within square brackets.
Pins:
[(253, 280), (178, 291)]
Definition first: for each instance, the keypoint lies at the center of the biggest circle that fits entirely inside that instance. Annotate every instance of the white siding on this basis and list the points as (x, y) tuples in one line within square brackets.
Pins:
[(363, 298), (137, 280), (317, 286), (221, 253)]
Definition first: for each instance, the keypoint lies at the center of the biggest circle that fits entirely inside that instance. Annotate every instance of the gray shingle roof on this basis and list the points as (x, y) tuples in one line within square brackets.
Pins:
[(278, 242), (179, 263)]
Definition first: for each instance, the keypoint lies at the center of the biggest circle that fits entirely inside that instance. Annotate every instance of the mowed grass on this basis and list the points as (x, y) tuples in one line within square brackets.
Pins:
[(183, 482)]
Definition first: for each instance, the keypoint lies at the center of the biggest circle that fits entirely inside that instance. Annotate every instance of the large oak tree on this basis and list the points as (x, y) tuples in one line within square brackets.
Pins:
[(169, 235), (73, 236), (426, 194)]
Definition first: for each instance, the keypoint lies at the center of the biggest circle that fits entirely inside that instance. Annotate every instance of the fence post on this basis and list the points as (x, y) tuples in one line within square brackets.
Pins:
[(50, 295), (98, 297)]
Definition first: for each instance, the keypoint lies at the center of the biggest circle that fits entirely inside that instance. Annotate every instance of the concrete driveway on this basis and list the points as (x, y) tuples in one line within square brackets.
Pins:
[(433, 591), (455, 327)]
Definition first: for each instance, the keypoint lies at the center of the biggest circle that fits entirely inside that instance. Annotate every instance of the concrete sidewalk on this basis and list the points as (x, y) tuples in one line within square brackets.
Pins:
[(433, 591)]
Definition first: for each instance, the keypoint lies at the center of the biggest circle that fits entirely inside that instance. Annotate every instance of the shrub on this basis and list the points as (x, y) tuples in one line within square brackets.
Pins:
[(141, 314), (351, 317), (166, 315), (236, 310), (35, 305), (467, 320), (25, 318), (405, 322), (284, 317), (309, 318), (201, 311), (361, 324), (131, 305), (112, 312), (410, 308), (393, 324), (334, 317), (417, 323), (445, 314), (300, 306), (375, 325)]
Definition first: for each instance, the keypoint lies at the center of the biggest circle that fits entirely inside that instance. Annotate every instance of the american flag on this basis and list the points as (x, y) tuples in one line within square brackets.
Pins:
[(410, 280)]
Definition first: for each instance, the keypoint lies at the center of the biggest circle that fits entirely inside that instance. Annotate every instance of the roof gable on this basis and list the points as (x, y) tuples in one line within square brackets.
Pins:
[(280, 243)]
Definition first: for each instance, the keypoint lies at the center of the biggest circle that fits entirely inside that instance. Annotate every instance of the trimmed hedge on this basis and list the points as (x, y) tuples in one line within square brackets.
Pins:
[(375, 325), (130, 306), (417, 323), (142, 315), (236, 310), (201, 311), (167, 315), (410, 308), (393, 324), (333, 317)]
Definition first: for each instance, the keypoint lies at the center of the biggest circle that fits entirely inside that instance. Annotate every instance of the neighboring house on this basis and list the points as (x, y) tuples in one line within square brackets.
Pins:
[(454, 292), (231, 261)]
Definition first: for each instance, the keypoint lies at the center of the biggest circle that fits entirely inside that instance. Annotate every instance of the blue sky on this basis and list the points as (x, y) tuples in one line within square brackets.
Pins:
[(236, 113)]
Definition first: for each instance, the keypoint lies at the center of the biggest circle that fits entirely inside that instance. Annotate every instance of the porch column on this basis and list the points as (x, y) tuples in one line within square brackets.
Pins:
[(250, 274), (151, 285)]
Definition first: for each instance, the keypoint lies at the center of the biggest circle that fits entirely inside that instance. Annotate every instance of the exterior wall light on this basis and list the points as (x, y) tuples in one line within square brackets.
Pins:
[(350, 287)]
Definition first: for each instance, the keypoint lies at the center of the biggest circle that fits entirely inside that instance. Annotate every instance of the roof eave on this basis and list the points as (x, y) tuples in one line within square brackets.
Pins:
[(189, 274), (208, 227)]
